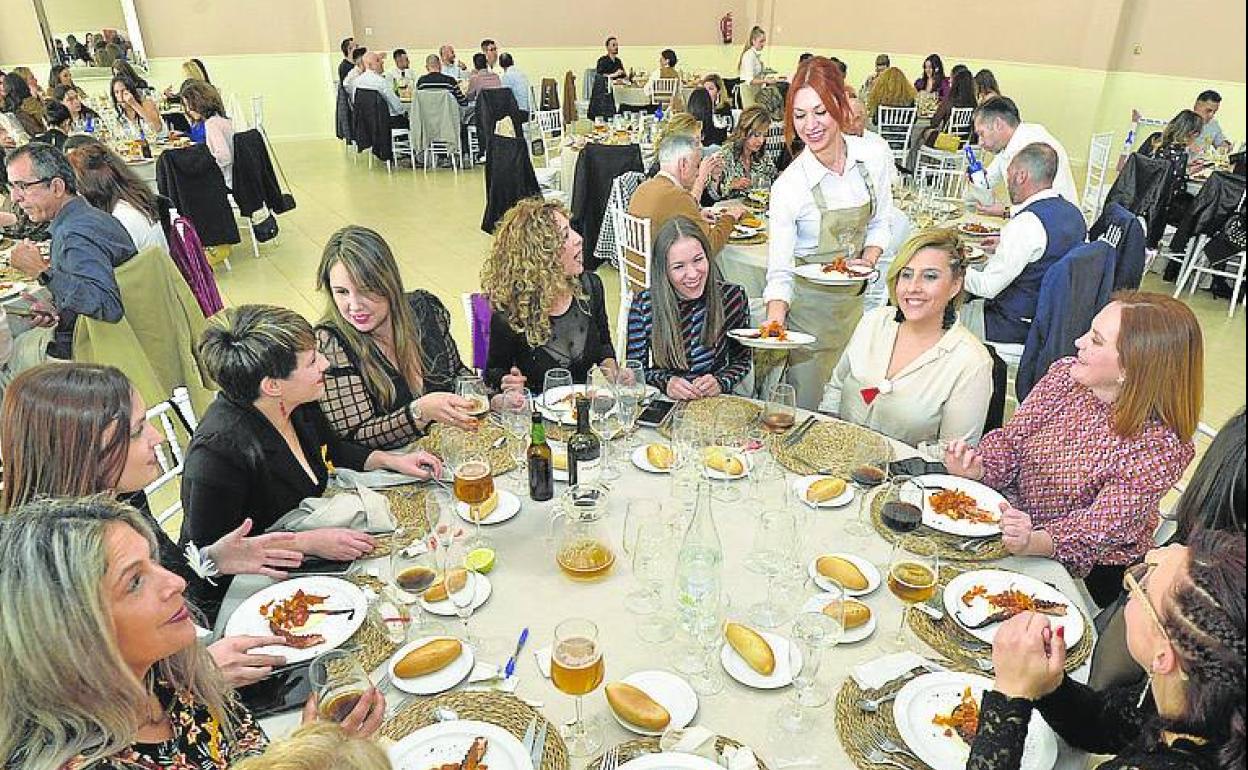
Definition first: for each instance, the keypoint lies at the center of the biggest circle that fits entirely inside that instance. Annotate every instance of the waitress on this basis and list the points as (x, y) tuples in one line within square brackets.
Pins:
[(834, 200)]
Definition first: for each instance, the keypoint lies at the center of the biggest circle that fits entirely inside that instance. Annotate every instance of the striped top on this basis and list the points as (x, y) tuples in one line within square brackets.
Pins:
[(727, 359)]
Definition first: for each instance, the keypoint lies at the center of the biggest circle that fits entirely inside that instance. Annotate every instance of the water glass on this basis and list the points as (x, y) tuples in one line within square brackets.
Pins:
[(812, 632), (339, 682), (555, 378), (516, 411)]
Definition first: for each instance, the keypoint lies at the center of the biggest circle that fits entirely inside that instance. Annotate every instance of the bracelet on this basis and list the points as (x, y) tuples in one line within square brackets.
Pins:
[(414, 412)]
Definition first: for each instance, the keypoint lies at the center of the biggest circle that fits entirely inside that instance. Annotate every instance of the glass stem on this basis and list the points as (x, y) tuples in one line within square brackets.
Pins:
[(579, 730), (901, 630)]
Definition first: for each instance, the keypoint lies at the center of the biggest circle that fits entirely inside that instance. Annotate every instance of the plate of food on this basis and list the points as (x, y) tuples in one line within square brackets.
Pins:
[(758, 659), (11, 289), (654, 458), (960, 506), (976, 230), (759, 197), (980, 600), (937, 716), (460, 744), (771, 336), (436, 601), (650, 702), (430, 665), (499, 507), (312, 614), (835, 273), (859, 576), (721, 463), (859, 619), (559, 404), (670, 760), (823, 491)]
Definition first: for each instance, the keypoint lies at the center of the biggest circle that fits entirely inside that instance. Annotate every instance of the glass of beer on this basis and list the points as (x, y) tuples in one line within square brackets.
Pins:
[(577, 669), (913, 574), (339, 682), (780, 411), (474, 485), (472, 388)]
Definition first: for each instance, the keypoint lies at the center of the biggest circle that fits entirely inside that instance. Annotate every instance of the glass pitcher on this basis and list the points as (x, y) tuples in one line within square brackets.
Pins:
[(582, 547)]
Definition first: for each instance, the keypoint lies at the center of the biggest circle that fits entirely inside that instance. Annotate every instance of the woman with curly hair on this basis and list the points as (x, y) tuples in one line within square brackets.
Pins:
[(548, 312), (891, 89), (747, 165)]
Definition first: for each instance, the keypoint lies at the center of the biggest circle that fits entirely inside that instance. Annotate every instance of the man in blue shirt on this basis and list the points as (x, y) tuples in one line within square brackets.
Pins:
[(518, 82)]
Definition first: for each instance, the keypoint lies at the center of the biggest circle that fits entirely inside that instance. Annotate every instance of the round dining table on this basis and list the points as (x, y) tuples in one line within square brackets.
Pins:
[(529, 591)]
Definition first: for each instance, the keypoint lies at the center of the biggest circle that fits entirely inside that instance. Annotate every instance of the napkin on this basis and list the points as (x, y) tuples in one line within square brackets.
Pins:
[(543, 661), (701, 742), (363, 510), (378, 479), (488, 672), (874, 674)]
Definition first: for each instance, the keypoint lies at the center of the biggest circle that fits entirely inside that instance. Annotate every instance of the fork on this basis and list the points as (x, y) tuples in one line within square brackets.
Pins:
[(610, 760), (878, 757), (889, 746)]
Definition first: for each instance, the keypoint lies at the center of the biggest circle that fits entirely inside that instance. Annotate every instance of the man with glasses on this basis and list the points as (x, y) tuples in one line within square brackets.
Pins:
[(87, 244)]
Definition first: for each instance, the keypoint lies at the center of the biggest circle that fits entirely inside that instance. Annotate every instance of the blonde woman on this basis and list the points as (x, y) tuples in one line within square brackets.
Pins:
[(320, 746), (746, 164), (750, 67), (548, 312), (912, 371), (392, 360), (891, 89)]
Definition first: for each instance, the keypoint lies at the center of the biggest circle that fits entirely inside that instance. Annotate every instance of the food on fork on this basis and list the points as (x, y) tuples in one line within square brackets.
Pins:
[(660, 456), (963, 720), (824, 490), (428, 658), (752, 648), (959, 506), (856, 613), (635, 707), (842, 571), (458, 578)]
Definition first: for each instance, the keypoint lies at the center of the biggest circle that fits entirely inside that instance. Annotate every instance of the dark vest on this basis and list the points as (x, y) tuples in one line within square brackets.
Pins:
[(1007, 317)]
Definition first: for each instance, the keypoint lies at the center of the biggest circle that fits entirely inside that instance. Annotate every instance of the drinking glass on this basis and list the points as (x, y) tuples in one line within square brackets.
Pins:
[(339, 682), (555, 378), (462, 596), (812, 632), (604, 419), (902, 509), (474, 484), (577, 668), (869, 470), (392, 615), (650, 567), (706, 628), (630, 392), (774, 534), (769, 487), (413, 566), (472, 388), (516, 410), (780, 411), (731, 435), (443, 521), (912, 577)]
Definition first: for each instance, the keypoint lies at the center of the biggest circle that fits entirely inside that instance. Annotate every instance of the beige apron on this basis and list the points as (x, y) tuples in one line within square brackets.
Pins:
[(830, 313)]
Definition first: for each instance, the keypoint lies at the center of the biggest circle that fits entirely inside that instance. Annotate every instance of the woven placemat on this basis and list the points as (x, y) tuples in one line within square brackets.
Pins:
[(828, 444), (407, 504), (753, 240), (506, 711), (479, 440), (987, 549), (372, 646), (860, 731), (952, 642), (630, 750), (726, 412)]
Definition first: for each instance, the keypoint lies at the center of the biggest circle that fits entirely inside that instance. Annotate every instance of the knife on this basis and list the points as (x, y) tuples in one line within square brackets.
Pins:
[(529, 733), (510, 668), (539, 746), (797, 434)]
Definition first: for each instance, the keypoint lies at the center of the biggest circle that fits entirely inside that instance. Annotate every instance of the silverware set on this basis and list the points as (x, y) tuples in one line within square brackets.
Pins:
[(797, 433), (534, 741)]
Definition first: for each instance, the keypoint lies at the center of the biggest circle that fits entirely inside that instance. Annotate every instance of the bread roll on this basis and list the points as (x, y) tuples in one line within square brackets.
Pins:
[(485, 509), (428, 658), (824, 490), (660, 456), (752, 647), (720, 460), (856, 613), (842, 571), (437, 591), (635, 707)]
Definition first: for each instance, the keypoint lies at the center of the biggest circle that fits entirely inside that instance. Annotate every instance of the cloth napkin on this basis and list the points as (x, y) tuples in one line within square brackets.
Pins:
[(363, 510), (378, 479), (874, 674), (701, 742), (543, 661)]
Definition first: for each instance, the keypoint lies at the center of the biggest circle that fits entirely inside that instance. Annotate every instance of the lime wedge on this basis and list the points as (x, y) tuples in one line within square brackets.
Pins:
[(480, 559)]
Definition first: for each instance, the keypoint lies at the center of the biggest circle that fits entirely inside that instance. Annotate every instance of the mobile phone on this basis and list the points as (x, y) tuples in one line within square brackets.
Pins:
[(314, 565), (286, 689), (914, 466), (653, 414)]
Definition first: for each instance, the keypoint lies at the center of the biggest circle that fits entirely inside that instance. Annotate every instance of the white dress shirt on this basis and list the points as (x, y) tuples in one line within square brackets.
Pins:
[(794, 216), (349, 81), (941, 394), (397, 77), (751, 65), (454, 70), (371, 81), (518, 82), (1023, 241), (1031, 133), (882, 145)]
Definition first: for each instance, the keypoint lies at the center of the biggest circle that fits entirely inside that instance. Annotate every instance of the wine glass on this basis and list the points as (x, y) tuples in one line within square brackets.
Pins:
[(604, 419), (774, 534), (729, 434), (461, 582), (555, 384), (474, 484), (902, 510), (339, 682), (869, 469), (516, 410), (780, 411), (413, 566), (472, 388), (631, 393), (912, 577), (577, 668), (444, 525), (812, 632)]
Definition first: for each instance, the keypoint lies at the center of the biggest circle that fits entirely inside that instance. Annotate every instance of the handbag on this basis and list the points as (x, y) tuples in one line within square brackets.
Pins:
[(287, 198), (947, 142), (266, 228)]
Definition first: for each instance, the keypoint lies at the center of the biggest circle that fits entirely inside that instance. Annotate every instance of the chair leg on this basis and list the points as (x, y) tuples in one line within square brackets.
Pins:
[(255, 245), (1239, 284)]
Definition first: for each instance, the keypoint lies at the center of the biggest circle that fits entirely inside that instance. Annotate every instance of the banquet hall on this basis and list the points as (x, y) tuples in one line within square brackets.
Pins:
[(755, 385)]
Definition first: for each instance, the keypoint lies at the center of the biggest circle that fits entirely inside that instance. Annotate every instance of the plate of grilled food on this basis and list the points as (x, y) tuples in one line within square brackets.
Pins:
[(981, 600), (460, 744), (771, 336), (312, 614)]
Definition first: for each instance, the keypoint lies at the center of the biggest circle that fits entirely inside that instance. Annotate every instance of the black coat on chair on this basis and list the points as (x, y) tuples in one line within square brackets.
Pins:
[(1144, 187), (343, 127), (493, 105), (191, 178), (509, 178), (372, 124), (596, 168), (255, 183)]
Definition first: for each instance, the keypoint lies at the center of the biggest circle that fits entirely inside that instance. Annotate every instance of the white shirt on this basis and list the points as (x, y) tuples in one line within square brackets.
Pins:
[(1023, 241), (941, 394), (751, 65), (1031, 133), (371, 81), (397, 77), (142, 231), (882, 145), (518, 82), (454, 70), (349, 81), (795, 216)]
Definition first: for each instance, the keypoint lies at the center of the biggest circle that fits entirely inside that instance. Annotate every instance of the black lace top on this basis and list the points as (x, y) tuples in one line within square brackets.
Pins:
[(1098, 722)]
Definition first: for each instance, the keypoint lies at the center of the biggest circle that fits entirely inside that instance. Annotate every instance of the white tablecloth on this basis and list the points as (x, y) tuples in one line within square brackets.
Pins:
[(530, 591)]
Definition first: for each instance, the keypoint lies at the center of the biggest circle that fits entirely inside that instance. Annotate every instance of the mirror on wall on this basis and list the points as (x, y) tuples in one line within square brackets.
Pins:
[(91, 33)]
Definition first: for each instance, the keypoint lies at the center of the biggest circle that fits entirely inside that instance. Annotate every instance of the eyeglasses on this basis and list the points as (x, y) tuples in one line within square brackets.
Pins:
[(24, 186), (1133, 581)]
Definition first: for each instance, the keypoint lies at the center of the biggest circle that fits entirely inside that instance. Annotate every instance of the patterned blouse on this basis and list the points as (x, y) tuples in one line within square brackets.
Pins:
[(198, 742), (761, 174), (728, 360), (1098, 722), (1095, 492)]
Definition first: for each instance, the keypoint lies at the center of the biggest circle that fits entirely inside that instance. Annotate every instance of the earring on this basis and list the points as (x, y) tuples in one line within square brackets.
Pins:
[(1148, 686)]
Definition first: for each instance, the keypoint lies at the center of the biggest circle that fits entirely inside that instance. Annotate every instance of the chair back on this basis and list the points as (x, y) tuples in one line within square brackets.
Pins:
[(372, 124), (1098, 172), (587, 84), (436, 113), (664, 90), (942, 182), (175, 419), (550, 130), (773, 145), (960, 122), (622, 189), (1169, 524), (894, 124), (632, 253)]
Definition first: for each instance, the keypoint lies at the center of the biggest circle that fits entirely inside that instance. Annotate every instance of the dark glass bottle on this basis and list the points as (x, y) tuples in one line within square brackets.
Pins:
[(541, 466), (584, 448)]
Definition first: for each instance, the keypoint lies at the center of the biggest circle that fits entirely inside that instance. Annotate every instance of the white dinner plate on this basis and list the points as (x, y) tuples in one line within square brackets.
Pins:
[(817, 602), (739, 670), (750, 338), (800, 485), (996, 580), (11, 290), (869, 571), (813, 272), (993, 232), (508, 507), (439, 681), (670, 760), (715, 475), (247, 620), (986, 497), (481, 590), (669, 691), (925, 696), (641, 461), (561, 413), (741, 231), (448, 742)]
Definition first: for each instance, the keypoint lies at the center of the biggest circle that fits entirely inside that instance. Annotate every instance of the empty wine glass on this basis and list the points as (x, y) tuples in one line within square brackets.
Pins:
[(556, 384), (631, 392), (461, 582), (774, 534), (812, 632), (706, 629), (516, 410)]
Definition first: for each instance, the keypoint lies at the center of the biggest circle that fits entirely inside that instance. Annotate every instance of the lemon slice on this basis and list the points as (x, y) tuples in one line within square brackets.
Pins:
[(480, 560)]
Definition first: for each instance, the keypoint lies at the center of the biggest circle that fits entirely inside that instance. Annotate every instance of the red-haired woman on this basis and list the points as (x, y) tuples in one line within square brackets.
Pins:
[(833, 200)]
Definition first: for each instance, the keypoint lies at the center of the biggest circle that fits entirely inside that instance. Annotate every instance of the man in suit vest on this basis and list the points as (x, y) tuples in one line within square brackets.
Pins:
[(1043, 226)]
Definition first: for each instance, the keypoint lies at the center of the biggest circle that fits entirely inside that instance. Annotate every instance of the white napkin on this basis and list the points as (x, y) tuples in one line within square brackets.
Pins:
[(378, 479), (874, 674), (701, 742), (486, 672), (363, 510), (543, 660)]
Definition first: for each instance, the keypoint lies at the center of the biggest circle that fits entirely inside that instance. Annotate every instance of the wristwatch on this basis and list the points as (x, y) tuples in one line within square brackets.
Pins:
[(44, 278), (414, 412)]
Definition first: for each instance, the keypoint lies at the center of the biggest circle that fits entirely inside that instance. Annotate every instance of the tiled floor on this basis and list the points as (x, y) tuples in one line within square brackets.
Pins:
[(432, 223)]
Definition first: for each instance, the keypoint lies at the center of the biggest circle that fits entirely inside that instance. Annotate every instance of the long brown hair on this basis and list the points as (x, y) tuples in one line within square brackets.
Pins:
[(373, 269), (752, 119), (104, 179), (821, 74), (667, 339), (1161, 352), (66, 432)]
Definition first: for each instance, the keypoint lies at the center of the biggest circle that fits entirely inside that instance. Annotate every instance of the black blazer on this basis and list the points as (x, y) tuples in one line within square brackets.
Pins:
[(191, 178), (255, 183)]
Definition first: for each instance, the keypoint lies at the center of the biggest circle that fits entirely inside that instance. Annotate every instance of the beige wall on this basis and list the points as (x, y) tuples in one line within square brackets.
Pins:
[(84, 15), (1193, 38), (20, 39), (225, 27)]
